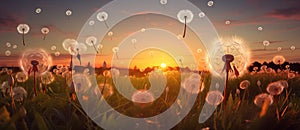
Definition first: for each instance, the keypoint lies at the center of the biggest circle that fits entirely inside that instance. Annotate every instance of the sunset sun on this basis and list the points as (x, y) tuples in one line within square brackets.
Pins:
[(163, 65)]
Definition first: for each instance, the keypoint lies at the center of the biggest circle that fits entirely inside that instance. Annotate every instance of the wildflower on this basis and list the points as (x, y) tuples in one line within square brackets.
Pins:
[(214, 98), (142, 98), (291, 75), (278, 60), (19, 94), (21, 77), (244, 84), (261, 98), (275, 88)]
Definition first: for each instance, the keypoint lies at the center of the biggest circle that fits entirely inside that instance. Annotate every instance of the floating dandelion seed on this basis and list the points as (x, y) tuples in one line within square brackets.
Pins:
[(47, 78), (192, 84), (57, 53), (116, 50), (102, 17), (23, 29), (142, 97), (163, 2), (199, 50), (69, 43), (21, 77), (38, 10), (210, 3), (15, 46), (91, 41), (19, 94), (260, 28), (266, 43), (8, 44), (100, 46), (68, 12), (201, 14), (185, 16), (45, 31), (214, 98), (8, 53), (106, 73), (275, 88), (260, 99), (81, 83), (244, 84), (92, 22), (53, 48), (143, 30), (134, 41), (110, 34), (293, 48), (227, 22), (279, 49), (278, 60)]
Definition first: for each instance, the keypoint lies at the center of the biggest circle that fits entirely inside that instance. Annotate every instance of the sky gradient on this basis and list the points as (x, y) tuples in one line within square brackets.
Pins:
[(279, 19)]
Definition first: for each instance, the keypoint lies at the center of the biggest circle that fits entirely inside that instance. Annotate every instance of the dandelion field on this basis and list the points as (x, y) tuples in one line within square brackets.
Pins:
[(54, 108)]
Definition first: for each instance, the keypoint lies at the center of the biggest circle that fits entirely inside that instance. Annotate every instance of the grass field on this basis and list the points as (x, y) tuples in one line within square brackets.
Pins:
[(54, 108)]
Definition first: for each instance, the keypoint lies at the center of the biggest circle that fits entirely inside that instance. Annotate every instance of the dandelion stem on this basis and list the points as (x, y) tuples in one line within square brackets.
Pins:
[(23, 38), (34, 84), (184, 31)]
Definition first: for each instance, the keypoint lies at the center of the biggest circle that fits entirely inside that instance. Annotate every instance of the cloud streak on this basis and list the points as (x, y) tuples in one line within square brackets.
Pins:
[(291, 13), (8, 21)]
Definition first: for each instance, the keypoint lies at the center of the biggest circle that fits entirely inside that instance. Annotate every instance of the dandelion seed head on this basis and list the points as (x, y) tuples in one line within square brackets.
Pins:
[(261, 98), (275, 88), (214, 98)]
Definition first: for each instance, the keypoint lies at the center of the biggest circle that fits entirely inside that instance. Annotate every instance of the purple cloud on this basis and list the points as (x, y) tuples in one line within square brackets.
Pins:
[(291, 13), (8, 22)]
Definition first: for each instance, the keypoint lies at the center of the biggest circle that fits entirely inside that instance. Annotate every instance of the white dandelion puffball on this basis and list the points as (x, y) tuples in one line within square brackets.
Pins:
[(21, 77), (201, 14), (192, 84), (57, 53), (163, 2), (185, 15), (266, 43), (68, 12), (293, 48), (260, 28), (38, 10), (69, 43), (102, 16), (23, 28), (110, 33), (92, 22), (7, 53), (8, 44), (233, 47), (15, 46), (244, 84), (53, 48), (41, 57), (214, 98), (47, 78), (91, 41), (275, 88), (45, 30), (210, 3), (227, 22), (278, 60), (142, 96), (19, 94), (260, 99)]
